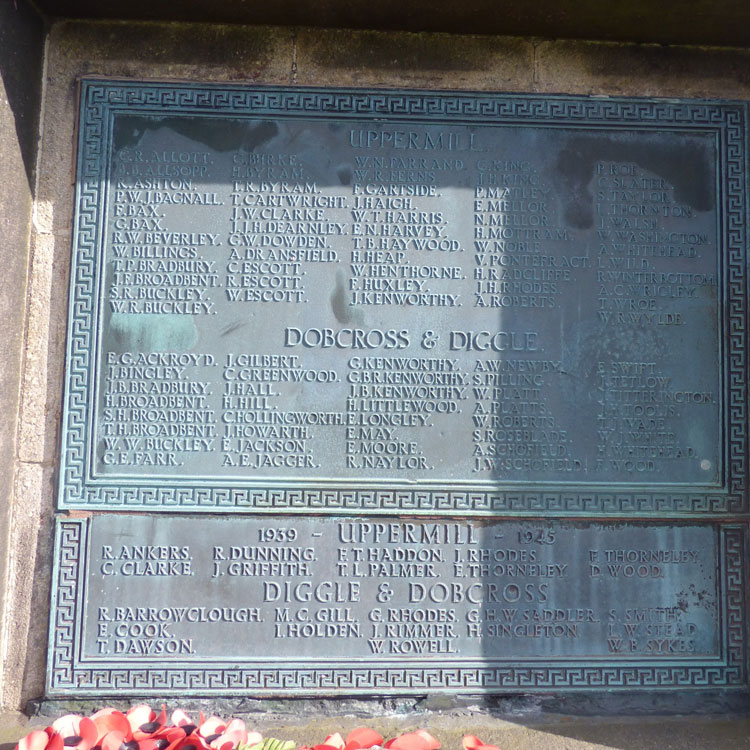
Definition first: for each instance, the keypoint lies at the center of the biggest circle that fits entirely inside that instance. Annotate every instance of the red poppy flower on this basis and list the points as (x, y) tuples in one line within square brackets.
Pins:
[(109, 720), (472, 742), (193, 741), (78, 732), (428, 738), (144, 723), (362, 738), (235, 734), (180, 719), (213, 726), (417, 740), (41, 739), (334, 740)]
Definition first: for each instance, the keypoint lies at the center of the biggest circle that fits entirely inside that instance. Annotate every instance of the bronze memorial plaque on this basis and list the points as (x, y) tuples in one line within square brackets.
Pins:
[(402, 312), (174, 605)]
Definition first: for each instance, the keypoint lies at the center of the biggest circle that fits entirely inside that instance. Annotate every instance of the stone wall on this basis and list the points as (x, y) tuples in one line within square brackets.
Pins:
[(33, 365), (21, 53)]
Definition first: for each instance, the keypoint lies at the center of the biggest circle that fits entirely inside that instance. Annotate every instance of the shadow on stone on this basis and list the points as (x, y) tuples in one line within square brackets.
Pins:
[(21, 54)]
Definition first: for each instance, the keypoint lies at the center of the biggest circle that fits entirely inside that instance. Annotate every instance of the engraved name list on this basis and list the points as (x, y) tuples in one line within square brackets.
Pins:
[(312, 300)]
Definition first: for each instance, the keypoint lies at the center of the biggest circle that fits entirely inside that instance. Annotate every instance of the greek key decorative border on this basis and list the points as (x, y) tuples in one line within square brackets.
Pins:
[(67, 673), (218, 498), (101, 100)]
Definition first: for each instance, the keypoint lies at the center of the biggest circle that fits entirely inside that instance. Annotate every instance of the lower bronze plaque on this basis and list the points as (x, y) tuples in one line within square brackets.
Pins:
[(249, 606)]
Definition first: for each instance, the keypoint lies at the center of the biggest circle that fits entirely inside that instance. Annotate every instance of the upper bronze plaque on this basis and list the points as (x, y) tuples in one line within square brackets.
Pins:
[(361, 301)]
